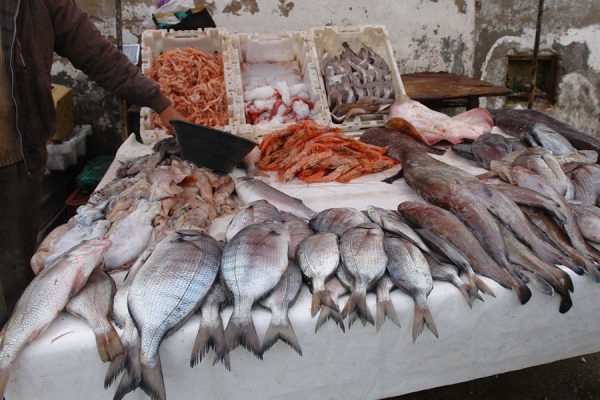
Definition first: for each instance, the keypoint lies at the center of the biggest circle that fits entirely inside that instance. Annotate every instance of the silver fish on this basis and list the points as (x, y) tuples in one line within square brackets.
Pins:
[(363, 256), (252, 213), (160, 301), (44, 298), (319, 257), (391, 221), (338, 220), (385, 307), (93, 304), (409, 271), (282, 297), (549, 139), (211, 333), (299, 230), (449, 273), (253, 263), (336, 289), (250, 189)]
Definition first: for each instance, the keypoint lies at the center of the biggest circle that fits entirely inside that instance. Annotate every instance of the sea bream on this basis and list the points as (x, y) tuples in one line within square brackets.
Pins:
[(385, 307), (299, 230), (93, 304), (408, 269), (252, 213), (279, 301), (160, 301), (44, 298), (391, 221), (338, 220), (336, 289), (253, 263)]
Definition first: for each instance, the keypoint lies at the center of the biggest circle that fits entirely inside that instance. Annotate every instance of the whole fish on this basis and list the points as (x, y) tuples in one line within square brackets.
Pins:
[(487, 147), (448, 227), (253, 263), (93, 304), (210, 332), (587, 184), (299, 230), (319, 256), (336, 289), (449, 273), (252, 213), (250, 189), (385, 307), (391, 221), (363, 256), (79, 233), (338, 220), (44, 298), (160, 301), (409, 271), (588, 219), (282, 297), (131, 235)]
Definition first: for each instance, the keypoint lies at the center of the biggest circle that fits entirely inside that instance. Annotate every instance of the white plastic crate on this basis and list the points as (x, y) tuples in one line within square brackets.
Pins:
[(63, 155), (211, 40), (330, 39), (285, 47)]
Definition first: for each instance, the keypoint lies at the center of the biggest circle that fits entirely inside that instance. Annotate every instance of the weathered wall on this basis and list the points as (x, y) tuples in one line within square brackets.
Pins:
[(571, 29), (434, 35)]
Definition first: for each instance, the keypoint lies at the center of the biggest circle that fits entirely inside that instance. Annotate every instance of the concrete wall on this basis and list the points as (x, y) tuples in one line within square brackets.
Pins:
[(571, 29)]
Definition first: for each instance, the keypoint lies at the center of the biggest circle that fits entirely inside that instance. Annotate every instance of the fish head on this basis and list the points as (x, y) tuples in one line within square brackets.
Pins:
[(376, 214)]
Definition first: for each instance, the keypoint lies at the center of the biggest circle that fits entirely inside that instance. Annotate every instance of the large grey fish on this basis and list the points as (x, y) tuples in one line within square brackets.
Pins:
[(253, 263), (338, 220), (210, 332), (588, 219), (319, 256), (587, 184), (409, 271), (391, 221), (299, 230), (44, 298), (93, 304), (363, 256), (160, 301), (250, 189), (444, 272), (385, 307), (252, 213), (336, 289), (282, 297)]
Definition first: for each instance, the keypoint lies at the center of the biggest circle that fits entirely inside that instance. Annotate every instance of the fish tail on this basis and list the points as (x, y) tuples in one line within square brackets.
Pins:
[(133, 373), (108, 343), (153, 383), (283, 331), (565, 302), (326, 314), (465, 290), (242, 333), (482, 286), (539, 282), (128, 383), (357, 303), (385, 308), (422, 317), (319, 298), (210, 337), (116, 366), (4, 373)]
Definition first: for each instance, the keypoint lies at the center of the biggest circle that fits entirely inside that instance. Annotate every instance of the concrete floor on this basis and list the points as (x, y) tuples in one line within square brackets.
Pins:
[(572, 379)]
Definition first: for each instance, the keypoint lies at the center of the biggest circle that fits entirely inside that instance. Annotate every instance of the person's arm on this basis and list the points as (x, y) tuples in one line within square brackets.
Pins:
[(78, 39)]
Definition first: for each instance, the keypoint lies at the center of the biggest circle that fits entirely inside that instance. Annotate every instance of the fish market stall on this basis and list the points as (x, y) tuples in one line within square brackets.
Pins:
[(495, 336)]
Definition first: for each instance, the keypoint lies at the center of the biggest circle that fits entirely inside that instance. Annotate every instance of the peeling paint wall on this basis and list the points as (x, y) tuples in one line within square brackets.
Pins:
[(434, 35), (571, 29)]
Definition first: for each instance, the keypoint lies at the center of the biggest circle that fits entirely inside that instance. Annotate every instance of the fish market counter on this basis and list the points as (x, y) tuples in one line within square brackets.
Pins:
[(495, 336)]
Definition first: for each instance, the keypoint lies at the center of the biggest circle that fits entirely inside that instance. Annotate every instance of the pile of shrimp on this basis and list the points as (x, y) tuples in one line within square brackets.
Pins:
[(195, 82), (315, 153)]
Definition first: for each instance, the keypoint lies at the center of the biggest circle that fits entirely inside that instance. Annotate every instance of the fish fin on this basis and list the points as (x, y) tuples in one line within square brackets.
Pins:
[(539, 282), (565, 302), (116, 366), (522, 291), (357, 303), (394, 177), (108, 343), (422, 317), (127, 384), (385, 309), (133, 374), (328, 313), (319, 298), (481, 285), (466, 292), (153, 383), (3, 381), (283, 331), (242, 333), (207, 338)]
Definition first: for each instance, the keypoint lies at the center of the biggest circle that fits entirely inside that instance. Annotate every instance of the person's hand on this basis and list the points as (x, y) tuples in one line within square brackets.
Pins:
[(169, 114)]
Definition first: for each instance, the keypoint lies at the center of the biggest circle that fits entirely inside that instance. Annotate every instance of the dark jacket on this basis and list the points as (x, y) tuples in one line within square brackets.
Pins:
[(31, 31)]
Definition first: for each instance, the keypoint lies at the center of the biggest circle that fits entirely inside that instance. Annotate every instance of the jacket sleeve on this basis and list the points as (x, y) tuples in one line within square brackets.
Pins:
[(78, 39)]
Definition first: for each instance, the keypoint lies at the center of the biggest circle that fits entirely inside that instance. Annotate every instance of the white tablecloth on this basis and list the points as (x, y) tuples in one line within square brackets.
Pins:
[(495, 336)]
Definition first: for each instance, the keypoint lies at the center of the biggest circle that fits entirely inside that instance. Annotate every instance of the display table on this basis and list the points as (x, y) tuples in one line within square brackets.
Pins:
[(496, 336)]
